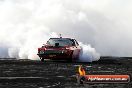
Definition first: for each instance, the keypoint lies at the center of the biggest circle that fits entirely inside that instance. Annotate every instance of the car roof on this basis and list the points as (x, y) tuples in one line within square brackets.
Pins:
[(60, 38)]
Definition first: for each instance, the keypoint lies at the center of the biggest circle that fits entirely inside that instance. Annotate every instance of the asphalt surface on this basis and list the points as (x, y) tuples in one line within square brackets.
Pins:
[(59, 74)]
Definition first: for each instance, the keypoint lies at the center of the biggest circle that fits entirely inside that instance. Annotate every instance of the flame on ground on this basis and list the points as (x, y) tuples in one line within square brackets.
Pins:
[(81, 71)]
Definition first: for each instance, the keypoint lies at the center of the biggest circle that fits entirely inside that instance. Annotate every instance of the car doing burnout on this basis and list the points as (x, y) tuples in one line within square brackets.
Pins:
[(60, 49)]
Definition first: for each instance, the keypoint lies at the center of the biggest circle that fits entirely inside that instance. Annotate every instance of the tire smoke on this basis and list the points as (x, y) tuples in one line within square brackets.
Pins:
[(24, 27), (88, 54)]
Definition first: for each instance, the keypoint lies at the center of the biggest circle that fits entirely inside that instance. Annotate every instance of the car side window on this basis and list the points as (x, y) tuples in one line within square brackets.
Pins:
[(73, 42), (76, 42)]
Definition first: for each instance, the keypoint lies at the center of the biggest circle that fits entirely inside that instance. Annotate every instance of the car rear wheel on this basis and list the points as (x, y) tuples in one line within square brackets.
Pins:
[(71, 58)]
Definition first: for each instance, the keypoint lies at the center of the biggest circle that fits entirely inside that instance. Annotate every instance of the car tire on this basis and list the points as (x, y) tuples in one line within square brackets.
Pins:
[(71, 58), (76, 59)]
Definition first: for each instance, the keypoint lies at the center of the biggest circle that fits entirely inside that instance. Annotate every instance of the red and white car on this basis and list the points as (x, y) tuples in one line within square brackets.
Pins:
[(60, 49)]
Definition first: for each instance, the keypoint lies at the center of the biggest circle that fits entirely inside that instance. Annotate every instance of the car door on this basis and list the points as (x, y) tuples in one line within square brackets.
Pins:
[(77, 49)]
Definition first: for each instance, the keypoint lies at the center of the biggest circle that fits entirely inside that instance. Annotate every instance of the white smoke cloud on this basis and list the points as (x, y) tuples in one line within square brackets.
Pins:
[(26, 24), (88, 54)]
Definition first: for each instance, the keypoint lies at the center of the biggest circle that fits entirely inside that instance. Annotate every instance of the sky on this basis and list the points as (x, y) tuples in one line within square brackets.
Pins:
[(103, 24)]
